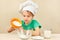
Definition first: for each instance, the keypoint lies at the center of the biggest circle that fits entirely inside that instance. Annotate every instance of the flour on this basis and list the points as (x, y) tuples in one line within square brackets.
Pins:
[(17, 23)]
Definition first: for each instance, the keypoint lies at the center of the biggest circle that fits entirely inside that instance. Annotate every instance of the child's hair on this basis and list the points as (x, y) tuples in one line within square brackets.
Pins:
[(30, 12)]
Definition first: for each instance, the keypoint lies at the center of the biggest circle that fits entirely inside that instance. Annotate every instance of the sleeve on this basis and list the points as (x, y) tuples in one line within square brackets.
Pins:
[(36, 24)]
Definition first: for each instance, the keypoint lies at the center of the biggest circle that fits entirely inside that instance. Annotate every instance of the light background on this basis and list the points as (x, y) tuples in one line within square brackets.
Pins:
[(48, 14)]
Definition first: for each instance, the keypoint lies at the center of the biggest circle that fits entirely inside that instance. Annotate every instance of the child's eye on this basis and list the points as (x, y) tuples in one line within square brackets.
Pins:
[(28, 16), (24, 15)]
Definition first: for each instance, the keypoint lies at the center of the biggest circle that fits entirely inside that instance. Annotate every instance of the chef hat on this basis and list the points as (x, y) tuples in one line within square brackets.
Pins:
[(29, 5)]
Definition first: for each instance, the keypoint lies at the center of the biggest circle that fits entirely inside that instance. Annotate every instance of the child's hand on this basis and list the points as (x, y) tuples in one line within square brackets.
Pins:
[(10, 29)]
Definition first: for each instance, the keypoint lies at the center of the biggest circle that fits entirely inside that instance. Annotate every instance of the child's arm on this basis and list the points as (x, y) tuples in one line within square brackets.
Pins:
[(12, 29), (36, 32)]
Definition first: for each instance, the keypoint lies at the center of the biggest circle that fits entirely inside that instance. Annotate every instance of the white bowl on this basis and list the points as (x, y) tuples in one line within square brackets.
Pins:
[(23, 37), (37, 38)]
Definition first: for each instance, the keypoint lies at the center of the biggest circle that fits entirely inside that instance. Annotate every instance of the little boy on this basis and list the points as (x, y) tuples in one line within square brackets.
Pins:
[(28, 9)]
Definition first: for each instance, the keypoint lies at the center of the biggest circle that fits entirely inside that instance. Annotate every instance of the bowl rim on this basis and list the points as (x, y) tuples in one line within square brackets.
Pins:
[(35, 37)]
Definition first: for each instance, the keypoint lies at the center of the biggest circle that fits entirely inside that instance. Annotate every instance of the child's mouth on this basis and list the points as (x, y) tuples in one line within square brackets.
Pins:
[(26, 20)]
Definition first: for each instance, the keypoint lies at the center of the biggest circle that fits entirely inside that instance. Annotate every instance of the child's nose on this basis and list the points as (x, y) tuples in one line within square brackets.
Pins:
[(26, 17)]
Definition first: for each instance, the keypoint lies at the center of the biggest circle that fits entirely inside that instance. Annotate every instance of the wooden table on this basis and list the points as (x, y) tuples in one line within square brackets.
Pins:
[(12, 36)]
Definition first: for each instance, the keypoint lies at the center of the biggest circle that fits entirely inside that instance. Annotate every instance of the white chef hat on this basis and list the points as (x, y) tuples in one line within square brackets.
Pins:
[(28, 5)]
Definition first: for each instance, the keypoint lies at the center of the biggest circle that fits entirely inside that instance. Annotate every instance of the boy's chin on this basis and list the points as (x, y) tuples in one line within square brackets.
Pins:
[(26, 22)]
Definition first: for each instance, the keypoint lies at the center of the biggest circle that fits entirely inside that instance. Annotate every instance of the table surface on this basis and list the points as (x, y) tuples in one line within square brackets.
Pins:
[(11, 36)]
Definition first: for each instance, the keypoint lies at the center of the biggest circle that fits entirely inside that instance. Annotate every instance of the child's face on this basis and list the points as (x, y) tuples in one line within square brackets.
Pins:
[(27, 16)]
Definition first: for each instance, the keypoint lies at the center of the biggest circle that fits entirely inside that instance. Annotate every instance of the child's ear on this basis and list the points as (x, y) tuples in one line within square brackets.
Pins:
[(32, 15)]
